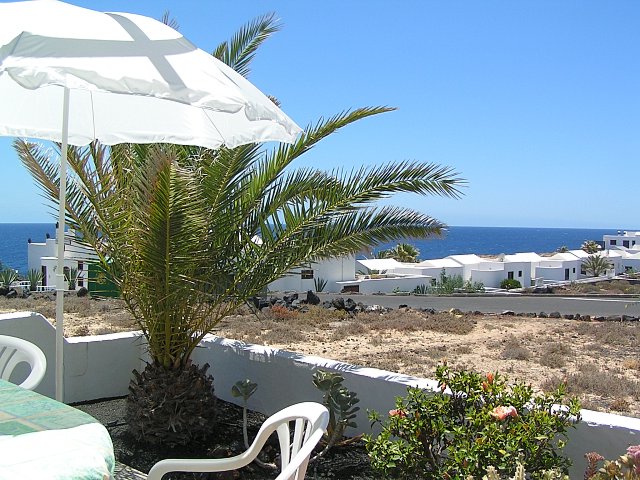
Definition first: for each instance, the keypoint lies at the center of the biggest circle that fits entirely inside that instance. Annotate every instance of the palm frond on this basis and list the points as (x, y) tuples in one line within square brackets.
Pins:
[(239, 52)]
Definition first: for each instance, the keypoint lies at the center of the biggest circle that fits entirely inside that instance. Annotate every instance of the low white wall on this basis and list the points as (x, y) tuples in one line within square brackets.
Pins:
[(95, 366), (489, 278), (388, 285), (101, 366)]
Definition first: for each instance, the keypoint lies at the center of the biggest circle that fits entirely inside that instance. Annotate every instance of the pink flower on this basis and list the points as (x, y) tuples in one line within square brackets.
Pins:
[(397, 413), (633, 453), (500, 413)]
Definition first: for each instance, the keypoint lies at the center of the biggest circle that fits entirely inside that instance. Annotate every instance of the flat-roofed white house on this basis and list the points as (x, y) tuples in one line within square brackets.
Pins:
[(477, 269), (614, 257), (622, 240), (522, 267), (567, 268), (630, 261), (434, 267)]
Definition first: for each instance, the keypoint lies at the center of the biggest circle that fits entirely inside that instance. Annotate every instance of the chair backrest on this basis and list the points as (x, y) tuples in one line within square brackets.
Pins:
[(14, 351), (309, 421)]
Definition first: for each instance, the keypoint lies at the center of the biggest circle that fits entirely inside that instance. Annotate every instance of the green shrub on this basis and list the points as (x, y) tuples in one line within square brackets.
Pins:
[(509, 283), (35, 278), (8, 276), (480, 422)]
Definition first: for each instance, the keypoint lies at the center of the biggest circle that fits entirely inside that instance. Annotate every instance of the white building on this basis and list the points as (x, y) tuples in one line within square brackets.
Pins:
[(627, 240), (330, 271), (44, 258)]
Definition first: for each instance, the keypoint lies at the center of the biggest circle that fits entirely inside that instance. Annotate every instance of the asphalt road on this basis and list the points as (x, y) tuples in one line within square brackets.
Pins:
[(497, 304)]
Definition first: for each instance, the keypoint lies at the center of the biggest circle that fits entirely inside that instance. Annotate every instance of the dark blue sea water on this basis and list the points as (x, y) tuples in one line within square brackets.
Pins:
[(13, 242), (459, 240), (508, 240)]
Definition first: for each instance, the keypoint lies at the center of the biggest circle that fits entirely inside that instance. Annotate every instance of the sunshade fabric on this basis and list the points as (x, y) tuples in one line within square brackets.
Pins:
[(113, 63)]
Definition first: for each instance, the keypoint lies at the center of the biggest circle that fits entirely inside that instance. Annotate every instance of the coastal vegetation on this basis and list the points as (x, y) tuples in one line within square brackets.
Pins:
[(189, 234), (590, 246), (596, 265), (402, 252)]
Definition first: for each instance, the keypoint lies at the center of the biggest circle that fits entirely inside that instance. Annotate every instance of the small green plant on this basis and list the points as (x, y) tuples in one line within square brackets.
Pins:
[(341, 403), (244, 389), (71, 276), (473, 287), (470, 423), (626, 467), (319, 284), (509, 283), (8, 276), (35, 278)]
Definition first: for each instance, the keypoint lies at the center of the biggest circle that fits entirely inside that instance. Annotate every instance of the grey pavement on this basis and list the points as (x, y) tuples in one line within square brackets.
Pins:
[(497, 304)]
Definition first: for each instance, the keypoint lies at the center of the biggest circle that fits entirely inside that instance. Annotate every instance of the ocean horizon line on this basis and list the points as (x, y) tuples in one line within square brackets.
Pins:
[(615, 229)]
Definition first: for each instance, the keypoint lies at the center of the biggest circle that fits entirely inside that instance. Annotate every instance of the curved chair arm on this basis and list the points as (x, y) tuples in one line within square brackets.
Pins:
[(16, 350), (314, 415)]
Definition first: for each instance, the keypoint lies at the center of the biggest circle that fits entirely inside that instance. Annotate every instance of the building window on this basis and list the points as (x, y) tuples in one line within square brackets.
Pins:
[(574, 269), (613, 242), (520, 273), (307, 274), (625, 243), (510, 275), (80, 266)]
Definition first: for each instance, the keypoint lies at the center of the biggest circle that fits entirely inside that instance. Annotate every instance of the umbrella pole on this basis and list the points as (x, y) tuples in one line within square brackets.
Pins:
[(60, 284)]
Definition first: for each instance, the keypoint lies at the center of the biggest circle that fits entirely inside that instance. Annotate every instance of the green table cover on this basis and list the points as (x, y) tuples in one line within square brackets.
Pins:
[(41, 438)]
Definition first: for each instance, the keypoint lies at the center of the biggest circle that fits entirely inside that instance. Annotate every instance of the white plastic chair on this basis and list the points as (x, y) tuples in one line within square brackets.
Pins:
[(311, 420), (14, 351)]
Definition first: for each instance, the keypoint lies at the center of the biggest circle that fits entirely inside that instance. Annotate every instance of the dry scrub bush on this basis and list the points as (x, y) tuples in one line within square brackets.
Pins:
[(554, 355), (412, 321), (513, 350), (613, 386)]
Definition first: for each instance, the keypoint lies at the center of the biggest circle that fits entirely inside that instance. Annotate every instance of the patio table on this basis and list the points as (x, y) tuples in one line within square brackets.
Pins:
[(41, 438)]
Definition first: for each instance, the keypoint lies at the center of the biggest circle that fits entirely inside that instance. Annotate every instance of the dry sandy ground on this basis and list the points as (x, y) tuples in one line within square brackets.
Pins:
[(598, 360)]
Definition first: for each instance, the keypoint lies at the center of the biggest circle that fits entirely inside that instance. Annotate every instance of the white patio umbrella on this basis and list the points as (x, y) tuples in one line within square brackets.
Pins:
[(73, 75)]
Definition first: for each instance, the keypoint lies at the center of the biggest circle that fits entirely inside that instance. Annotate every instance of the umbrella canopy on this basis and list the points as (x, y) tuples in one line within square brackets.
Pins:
[(73, 75), (117, 66)]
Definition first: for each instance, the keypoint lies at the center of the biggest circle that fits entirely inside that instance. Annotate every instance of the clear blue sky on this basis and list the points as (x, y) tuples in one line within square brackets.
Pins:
[(535, 103)]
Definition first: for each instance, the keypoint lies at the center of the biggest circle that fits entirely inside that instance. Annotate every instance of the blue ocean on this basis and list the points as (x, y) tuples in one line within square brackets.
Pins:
[(458, 240)]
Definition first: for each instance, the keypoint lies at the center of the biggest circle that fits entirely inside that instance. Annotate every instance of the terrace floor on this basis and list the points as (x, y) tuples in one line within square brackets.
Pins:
[(123, 472)]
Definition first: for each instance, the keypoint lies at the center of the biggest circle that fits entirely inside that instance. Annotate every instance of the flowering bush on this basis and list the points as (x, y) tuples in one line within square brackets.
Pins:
[(626, 467), (470, 423)]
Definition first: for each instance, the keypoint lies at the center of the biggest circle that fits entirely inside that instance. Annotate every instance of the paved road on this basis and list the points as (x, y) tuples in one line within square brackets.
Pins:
[(516, 303)]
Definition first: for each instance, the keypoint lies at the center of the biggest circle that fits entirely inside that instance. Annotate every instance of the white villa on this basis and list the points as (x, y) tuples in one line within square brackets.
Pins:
[(346, 274), (626, 240), (43, 257)]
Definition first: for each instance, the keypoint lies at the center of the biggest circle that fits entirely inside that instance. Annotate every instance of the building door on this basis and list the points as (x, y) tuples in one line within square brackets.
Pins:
[(44, 275), (566, 274)]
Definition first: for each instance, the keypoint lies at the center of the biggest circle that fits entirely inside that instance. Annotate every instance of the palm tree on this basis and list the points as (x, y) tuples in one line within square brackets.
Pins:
[(176, 229), (403, 252), (590, 246), (596, 265)]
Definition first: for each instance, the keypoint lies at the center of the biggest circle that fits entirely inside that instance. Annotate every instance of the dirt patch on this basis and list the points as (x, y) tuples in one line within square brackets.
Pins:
[(591, 357)]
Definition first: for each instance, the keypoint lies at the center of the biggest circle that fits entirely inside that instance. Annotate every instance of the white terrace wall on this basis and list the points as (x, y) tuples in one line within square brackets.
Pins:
[(387, 285), (95, 366), (489, 278), (100, 367)]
